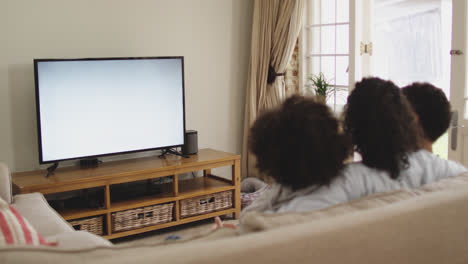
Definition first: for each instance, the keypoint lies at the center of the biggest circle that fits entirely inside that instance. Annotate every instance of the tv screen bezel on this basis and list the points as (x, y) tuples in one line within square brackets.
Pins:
[(38, 115)]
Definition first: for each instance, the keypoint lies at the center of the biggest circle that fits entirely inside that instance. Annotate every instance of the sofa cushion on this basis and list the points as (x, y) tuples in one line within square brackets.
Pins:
[(258, 221), (34, 207), (15, 230), (429, 229)]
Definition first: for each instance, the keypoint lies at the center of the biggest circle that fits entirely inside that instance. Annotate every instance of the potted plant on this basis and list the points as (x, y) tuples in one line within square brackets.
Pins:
[(320, 87)]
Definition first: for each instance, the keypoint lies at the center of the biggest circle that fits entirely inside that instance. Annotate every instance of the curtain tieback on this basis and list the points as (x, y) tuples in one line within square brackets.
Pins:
[(272, 75)]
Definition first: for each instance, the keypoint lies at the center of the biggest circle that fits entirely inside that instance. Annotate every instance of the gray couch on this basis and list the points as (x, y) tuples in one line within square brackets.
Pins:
[(47, 222), (426, 225)]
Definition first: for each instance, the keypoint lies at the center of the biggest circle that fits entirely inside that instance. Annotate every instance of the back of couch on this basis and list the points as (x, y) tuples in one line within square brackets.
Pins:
[(423, 227)]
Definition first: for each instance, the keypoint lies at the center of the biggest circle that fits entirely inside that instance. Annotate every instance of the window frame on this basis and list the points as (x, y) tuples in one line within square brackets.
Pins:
[(306, 50)]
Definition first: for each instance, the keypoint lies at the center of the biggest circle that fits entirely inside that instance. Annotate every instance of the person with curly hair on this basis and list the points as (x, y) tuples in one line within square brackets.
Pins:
[(300, 146), (432, 109), (385, 132)]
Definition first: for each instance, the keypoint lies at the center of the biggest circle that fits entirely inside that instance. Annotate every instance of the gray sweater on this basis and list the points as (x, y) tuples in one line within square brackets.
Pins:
[(357, 180)]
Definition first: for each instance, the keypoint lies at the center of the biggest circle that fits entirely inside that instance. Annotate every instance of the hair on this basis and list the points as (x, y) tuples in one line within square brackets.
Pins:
[(382, 125), (432, 108), (299, 144)]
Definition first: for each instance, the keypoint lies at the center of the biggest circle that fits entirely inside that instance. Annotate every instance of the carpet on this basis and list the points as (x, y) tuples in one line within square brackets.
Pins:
[(180, 232)]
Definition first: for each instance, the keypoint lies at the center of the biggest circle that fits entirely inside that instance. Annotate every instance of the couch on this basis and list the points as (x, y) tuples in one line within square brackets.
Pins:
[(426, 225)]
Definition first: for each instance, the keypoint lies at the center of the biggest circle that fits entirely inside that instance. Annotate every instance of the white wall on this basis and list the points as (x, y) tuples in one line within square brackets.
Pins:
[(213, 35)]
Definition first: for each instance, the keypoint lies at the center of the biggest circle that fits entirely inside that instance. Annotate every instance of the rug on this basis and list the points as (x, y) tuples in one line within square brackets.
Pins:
[(180, 232)]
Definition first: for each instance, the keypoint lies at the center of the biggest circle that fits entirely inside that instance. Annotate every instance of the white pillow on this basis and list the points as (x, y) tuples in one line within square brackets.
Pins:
[(16, 230)]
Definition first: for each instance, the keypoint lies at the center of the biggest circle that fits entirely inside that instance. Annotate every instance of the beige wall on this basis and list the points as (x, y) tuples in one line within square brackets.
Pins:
[(213, 35)]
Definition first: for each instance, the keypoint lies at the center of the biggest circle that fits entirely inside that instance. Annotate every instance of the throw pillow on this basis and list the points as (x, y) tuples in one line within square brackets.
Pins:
[(16, 230)]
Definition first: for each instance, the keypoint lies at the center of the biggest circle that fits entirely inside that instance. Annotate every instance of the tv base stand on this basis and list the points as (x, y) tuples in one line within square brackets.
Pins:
[(112, 179), (174, 152), (51, 169)]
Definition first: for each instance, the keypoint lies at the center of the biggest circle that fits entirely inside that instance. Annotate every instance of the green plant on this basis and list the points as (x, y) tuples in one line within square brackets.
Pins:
[(321, 86)]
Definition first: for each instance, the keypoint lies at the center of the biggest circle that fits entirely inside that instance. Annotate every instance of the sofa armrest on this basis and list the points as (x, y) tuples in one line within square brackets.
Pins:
[(5, 183)]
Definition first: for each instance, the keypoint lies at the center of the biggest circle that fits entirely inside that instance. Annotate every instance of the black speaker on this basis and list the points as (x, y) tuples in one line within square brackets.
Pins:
[(191, 142)]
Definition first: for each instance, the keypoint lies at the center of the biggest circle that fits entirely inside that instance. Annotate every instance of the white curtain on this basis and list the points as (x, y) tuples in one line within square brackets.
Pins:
[(409, 48), (275, 29)]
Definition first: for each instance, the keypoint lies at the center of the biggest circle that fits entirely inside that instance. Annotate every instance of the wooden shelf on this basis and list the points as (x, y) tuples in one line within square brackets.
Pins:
[(173, 223), (206, 216), (202, 186), (108, 174), (187, 189), (81, 213), (142, 201), (130, 170)]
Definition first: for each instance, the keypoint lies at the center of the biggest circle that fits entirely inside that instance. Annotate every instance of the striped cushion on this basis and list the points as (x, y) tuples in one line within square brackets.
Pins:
[(15, 230)]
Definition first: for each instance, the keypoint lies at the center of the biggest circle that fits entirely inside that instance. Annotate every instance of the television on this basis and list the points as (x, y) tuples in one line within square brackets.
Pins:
[(92, 107)]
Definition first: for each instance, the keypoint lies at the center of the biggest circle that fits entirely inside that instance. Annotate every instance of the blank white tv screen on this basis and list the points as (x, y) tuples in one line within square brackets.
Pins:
[(92, 107)]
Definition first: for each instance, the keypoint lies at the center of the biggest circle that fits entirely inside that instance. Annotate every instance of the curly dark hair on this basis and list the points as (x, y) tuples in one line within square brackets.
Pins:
[(299, 144), (382, 125), (431, 106)]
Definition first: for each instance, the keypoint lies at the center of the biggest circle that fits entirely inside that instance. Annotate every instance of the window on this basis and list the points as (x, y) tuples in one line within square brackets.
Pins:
[(326, 46)]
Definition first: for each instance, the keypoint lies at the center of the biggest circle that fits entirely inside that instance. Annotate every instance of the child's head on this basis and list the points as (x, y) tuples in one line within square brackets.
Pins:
[(431, 107), (382, 125), (299, 143)]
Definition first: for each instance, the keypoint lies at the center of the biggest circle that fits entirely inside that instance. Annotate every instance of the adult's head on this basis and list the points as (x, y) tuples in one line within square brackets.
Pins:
[(382, 125), (299, 144), (431, 107)]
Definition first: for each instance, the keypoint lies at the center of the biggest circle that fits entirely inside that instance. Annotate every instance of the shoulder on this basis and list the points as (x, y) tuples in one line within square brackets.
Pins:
[(356, 179), (429, 159), (363, 180), (422, 155), (357, 170)]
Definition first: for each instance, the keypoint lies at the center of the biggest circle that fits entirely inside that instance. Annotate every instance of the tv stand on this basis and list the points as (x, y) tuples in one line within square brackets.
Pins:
[(109, 183)]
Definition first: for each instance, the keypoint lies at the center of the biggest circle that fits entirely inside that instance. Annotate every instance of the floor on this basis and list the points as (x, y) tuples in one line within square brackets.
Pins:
[(180, 231)]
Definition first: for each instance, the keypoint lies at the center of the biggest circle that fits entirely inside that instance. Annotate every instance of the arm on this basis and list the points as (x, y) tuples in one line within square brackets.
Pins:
[(442, 168)]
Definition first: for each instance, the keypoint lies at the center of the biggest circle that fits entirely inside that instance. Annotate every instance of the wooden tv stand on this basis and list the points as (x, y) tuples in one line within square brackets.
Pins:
[(111, 174)]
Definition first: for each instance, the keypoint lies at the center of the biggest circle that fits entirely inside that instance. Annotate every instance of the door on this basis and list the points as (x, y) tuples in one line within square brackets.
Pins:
[(410, 40), (458, 142)]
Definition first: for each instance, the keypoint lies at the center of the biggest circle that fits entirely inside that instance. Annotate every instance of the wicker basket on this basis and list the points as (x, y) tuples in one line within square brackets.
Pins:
[(251, 189), (92, 224), (205, 204), (140, 217)]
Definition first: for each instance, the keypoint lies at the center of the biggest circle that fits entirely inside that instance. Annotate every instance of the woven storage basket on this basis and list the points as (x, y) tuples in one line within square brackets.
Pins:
[(92, 224), (251, 189), (140, 217), (205, 204)]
